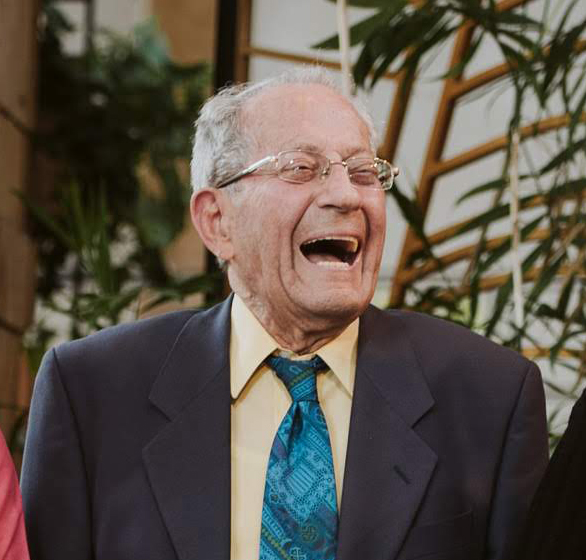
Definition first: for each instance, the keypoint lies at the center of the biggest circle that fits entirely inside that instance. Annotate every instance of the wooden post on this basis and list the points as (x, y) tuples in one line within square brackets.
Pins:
[(18, 58)]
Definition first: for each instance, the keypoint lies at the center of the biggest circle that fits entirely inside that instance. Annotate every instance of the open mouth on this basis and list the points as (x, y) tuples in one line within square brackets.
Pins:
[(331, 252)]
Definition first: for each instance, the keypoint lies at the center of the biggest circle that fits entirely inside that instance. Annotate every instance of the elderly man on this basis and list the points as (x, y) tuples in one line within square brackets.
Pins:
[(292, 421)]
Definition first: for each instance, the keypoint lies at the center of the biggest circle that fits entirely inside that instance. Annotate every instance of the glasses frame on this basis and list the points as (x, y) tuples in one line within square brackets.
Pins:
[(253, 167)]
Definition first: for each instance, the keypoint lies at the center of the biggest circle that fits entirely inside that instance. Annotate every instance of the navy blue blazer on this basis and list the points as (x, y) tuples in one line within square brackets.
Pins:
[(128, 447)]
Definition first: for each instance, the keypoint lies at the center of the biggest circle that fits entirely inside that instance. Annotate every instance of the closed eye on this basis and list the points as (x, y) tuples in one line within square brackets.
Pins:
[(364, 177), (299, 170)]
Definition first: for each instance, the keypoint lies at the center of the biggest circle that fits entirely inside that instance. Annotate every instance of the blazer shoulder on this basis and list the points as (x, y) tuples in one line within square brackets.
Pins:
[(140, 345), (441, 345)]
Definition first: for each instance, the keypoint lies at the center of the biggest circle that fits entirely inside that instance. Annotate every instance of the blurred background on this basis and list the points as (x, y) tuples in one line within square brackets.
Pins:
[(480, 103)]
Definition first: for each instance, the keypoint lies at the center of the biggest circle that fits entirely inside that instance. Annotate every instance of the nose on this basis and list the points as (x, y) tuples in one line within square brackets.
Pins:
[(336, 190)]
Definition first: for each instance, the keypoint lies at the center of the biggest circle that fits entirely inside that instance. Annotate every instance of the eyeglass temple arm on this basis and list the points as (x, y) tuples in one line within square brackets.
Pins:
[(394, 169), (250, 169)]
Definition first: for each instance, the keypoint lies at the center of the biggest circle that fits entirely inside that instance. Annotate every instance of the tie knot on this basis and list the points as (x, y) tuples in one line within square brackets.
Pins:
[(298, 375)]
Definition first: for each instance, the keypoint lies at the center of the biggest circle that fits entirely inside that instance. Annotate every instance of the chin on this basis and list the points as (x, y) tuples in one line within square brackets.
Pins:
[(339, 304)]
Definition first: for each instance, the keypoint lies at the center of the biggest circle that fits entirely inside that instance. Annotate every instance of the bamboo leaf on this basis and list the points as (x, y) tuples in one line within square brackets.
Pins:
[(369, 3), (49, 222), (364, 62), (565, 295), (504, 292), (545, 278), (498, 212), (497, 184), (409, 209), (523, 40), (493, 20), (484, 219), (359, 32), (386, 44), (179, 290), (567, 154), (102, 265), (412, 213), (522, 68), (458, 69), (493, 256), (561, 50), (561, 343), (441, 31), (578, 113), (545, 310)]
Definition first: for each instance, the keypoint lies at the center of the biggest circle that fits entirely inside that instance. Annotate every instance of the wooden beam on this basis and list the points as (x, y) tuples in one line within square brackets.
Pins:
[(430, 266), (439, 168), (447, 233), (493, 74), (17, 252), (243, 22), (301, 59), (543, 352), (397, 115), (496, 281)]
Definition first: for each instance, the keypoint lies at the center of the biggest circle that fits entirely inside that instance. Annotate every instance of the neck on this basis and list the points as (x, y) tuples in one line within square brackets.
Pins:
[(301, 335), (296, 340)]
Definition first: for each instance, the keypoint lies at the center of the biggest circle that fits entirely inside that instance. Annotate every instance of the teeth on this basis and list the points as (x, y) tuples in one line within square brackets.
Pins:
[(353, 242), (335, 265)]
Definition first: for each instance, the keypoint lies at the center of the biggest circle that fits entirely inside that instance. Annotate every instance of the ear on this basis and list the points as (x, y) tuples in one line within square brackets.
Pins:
[(209, 215)]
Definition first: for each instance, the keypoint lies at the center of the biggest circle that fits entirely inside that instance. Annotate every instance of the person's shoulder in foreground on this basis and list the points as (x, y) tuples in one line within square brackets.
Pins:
[(12, 536), (556, 525)]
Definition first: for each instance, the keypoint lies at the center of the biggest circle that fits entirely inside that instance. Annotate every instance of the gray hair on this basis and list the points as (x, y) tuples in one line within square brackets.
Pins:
[(221, 145)]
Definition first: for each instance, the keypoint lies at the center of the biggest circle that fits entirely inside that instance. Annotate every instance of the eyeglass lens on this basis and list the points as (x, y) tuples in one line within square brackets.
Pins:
[(302, 167)]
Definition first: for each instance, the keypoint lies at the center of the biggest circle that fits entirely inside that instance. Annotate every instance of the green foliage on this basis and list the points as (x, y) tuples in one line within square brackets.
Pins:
[(109, 118), (548, 70), (399, 35)]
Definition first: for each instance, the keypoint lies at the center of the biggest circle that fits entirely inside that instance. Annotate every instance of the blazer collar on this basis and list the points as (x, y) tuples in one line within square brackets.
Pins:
[(388, 466), (200, 352), (188, 461), (387, 357)]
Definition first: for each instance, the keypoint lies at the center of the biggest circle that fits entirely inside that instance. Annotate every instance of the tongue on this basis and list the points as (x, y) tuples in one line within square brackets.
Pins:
[(322, 257)]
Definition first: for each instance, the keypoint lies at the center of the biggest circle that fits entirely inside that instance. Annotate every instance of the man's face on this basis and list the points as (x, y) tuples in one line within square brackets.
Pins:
[(279, 262)]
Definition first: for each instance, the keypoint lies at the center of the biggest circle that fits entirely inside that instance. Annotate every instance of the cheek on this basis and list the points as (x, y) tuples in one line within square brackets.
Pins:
[(377, 222)]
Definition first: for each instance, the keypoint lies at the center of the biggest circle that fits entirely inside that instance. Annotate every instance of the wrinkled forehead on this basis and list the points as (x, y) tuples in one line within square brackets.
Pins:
[(304, 115)]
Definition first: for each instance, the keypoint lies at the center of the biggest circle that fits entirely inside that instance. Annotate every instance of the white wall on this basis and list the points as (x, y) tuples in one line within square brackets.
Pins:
[(119, 16)]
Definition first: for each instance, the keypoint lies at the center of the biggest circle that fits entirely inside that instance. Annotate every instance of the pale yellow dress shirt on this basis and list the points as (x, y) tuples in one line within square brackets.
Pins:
[(259, 403)]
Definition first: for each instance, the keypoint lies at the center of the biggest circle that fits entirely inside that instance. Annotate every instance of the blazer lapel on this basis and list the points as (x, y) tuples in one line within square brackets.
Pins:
[(388, 467), (188, 462)]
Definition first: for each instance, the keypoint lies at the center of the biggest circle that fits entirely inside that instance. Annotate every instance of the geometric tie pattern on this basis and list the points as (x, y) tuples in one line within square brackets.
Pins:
[(300, 514)]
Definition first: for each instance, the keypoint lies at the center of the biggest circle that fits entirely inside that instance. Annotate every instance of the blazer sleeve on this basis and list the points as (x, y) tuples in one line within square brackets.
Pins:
[(54, 479), (12, 537), (523, 462)]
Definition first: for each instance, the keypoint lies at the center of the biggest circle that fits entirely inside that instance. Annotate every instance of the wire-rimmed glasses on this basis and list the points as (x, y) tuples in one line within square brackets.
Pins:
[(302, 166)]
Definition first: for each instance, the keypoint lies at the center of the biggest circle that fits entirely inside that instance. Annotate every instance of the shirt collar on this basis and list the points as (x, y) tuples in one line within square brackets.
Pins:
[(250, 344)]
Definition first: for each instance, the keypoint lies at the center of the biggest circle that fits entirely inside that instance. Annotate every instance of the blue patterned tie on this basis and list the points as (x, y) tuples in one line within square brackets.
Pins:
[(299, 514)]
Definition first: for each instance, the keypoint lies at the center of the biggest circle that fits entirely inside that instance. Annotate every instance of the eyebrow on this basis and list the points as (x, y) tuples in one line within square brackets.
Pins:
[(307, 147), (350, 152)]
